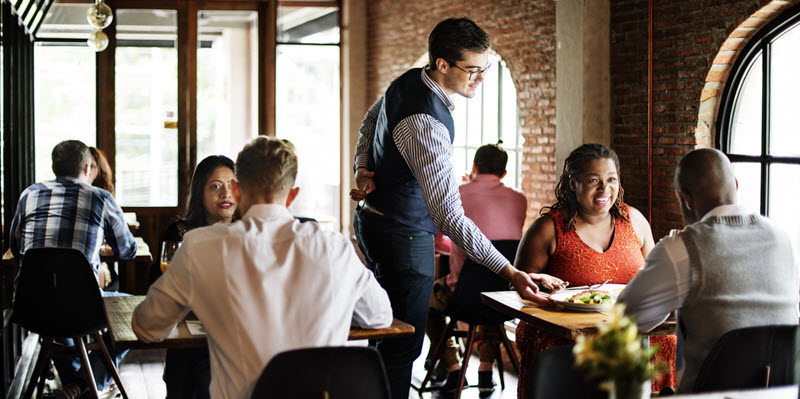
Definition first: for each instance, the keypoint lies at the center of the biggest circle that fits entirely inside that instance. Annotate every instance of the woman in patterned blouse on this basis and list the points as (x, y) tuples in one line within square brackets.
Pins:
[(587, 237)]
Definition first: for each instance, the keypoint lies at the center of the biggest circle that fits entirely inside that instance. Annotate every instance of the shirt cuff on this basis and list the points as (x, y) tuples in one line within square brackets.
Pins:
[(362, 161)]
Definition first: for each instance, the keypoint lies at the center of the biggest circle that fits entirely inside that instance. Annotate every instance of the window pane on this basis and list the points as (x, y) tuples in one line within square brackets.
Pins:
[(782, 201), (307, 98), (488, 117), (227, 81), (65, 108), (460, 121), (746, 127), (511, 134), (490, 92), (510, 178), (475, 119), (784, 139), (461, 164), (65, 21), (319, 25), (749, 177), (146, 106)]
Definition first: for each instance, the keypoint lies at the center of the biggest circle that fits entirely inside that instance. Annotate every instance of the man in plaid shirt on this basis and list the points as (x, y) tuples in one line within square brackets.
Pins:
[(69, 212)]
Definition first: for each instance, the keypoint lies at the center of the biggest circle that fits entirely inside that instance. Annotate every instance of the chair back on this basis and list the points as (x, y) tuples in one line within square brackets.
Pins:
[(57, 294), (326, 372), (466, 304), (752, 357), (553, 375)]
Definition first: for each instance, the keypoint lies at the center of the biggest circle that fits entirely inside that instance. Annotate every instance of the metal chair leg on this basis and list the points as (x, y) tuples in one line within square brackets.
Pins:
[(439, 349), (110, 363), (38, 368), (509, 349), (498, 355), (465, 361), (86, 367)]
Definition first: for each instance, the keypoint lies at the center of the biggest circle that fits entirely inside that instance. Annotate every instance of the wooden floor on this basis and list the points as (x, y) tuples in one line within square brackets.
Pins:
[(141, 373)]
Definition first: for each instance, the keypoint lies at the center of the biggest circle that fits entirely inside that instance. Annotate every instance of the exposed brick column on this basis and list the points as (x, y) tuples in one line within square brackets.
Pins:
[(688, 37)]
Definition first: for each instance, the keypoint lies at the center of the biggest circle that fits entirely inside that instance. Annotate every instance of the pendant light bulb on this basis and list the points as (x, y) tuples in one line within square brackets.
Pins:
[(99, 15), (98, 41)]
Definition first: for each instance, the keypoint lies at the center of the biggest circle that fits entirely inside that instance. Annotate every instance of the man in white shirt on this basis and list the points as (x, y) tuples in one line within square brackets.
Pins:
[(264, 284), (728, 269)]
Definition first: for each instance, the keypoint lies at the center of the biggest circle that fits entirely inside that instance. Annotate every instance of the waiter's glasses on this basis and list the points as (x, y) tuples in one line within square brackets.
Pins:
[(474, 75)]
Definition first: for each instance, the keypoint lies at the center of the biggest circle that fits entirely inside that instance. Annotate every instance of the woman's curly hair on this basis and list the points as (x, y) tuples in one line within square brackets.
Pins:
[(574, 168)]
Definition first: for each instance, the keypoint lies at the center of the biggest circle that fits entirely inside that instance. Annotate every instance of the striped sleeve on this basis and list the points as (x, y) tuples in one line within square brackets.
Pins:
[(116, 231), (366, 134), (15, 232), (424, 144)]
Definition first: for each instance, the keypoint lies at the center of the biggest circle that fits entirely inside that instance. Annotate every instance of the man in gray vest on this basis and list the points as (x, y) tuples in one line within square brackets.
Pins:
[(728, 269)]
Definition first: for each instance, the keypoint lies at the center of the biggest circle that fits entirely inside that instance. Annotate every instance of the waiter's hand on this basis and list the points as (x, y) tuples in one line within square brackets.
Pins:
[(525, 287), (365, 184), (551, 283)]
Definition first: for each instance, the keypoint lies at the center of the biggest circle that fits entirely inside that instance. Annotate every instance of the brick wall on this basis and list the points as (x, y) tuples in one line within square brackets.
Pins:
[(688, 38), (522, 33)]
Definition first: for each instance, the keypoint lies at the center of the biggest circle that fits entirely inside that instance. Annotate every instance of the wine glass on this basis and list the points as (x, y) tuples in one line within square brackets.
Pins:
[(168, 249)]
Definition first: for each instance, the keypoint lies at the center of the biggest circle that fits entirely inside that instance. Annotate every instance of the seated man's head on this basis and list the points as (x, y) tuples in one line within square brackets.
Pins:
[(490, 159), (266, 170), (71, 158), (704, 180)]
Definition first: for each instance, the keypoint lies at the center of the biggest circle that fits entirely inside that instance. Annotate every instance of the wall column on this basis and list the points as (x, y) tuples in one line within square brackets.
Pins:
[(583, 89)]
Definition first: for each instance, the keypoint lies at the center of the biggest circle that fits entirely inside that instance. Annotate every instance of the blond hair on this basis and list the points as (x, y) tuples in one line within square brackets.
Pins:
[(267, 166)]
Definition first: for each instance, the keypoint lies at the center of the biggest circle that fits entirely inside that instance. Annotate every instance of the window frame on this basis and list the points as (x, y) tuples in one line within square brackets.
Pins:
[(759, 44), (516, 147)]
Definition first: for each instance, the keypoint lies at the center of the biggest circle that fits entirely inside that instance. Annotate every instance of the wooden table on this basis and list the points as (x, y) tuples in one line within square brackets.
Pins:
[(119, 311), (564, 323)]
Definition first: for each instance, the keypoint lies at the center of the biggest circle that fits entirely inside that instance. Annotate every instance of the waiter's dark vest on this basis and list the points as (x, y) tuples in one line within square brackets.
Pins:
[(397, 193)]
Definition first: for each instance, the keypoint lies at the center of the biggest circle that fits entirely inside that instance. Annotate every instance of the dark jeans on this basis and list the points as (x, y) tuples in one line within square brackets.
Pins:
[(69, 367), (187, 373), (402, 259)]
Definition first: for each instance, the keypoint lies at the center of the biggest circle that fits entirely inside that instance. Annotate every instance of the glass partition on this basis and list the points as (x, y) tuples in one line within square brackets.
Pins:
[(65, 108), (146, 108), (307, 106), (227, 81)]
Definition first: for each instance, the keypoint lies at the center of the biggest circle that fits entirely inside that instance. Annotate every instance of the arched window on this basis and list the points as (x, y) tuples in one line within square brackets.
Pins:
[(490, 116), (760, 124)]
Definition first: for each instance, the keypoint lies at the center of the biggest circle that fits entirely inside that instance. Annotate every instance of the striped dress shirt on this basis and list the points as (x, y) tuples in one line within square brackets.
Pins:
[(425, 145), (68, 213)]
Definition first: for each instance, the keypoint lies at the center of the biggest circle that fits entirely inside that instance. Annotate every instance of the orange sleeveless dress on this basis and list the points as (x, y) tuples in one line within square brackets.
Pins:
[(579, 264)]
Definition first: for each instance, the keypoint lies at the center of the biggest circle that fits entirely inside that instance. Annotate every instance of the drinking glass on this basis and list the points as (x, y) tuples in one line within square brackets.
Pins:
[(168, 249)]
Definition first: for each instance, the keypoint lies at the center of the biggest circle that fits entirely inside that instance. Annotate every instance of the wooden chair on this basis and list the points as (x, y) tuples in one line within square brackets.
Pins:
[(57, 297), (466, 306), (554, 376), (753, 357), (345, 372)]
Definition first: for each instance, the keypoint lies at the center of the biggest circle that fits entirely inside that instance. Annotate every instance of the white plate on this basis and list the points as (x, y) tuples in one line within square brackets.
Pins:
[(562, 296)]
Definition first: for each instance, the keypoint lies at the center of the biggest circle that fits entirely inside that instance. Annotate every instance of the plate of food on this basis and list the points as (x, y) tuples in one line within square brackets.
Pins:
[(589, 300)]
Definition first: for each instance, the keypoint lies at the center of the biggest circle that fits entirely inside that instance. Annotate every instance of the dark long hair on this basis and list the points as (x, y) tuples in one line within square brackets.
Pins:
[(575, 168), (105, 178), (195, 215)]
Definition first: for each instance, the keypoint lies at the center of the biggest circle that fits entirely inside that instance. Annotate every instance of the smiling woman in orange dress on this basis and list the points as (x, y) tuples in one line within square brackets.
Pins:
[(587, 237)]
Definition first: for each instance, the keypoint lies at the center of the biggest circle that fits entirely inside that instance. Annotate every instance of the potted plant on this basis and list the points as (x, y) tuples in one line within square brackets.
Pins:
[(618, 355)]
